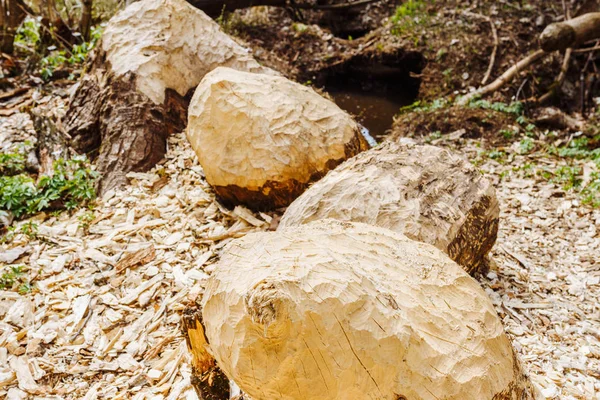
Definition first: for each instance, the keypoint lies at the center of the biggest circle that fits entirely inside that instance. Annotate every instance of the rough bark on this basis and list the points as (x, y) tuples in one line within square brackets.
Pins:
[(208, 380), (215, 8), (424, 192), (12, 14), (263, 139), (337, 310), (152, 55), (86, 19), (52, 144), (576, 31)]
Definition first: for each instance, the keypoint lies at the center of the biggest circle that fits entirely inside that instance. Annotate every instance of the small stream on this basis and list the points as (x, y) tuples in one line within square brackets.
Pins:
[(374, 109)]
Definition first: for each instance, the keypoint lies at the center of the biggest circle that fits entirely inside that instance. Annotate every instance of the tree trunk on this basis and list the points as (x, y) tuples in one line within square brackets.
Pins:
[(576, 31), (338, 310), (52, 142), (214, 8), (86, 19), (427, 193), (12, 14), (152, 56)]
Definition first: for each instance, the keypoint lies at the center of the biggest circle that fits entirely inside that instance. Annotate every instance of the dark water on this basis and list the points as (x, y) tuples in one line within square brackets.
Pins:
[(375, 111)]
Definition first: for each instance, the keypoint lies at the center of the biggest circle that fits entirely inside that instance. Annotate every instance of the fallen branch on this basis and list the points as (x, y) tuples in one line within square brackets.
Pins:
[(504, 78), (488, 72), (576, 31)]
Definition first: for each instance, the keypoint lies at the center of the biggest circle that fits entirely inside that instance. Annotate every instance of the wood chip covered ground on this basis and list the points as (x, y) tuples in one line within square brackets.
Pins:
[(110, 284)]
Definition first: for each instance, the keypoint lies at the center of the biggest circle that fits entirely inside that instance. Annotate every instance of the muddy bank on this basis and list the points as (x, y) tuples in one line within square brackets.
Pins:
[(382, 59)]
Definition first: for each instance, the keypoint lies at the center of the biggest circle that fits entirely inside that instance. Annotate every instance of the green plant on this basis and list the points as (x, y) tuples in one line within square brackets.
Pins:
[(507, 134), (423, 106), (568, 177), (526, 146), (515, 108), (13, 278), (11, 163), (72, 183), (29, 229), (28, 35), (591, 193), (407, 15), (433, 136), (86, 219), (579, 148), (497, 155), (76, 56), (299, 27)]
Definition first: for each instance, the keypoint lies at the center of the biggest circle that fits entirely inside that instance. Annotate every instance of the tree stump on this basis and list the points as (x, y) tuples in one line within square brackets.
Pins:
[(263, 139), (152, 55), (427, 193), (336, 310)]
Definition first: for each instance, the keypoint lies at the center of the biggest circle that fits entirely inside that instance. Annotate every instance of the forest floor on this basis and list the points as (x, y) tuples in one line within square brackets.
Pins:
[(111, 283), (92, 298)]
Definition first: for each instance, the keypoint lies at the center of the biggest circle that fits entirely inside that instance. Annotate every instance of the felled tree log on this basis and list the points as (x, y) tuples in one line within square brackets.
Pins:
[(151, 56), (215, 8), (427, 193), (12, 13), (263, 139), (570, 33), (336, 310)]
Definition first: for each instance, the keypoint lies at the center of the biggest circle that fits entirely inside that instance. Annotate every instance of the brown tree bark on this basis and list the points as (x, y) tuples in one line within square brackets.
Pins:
[(137, 89), (576, 31), (12, 14), (110, 118), (208, 380), (86, 19), (214, 8), (52, 142)]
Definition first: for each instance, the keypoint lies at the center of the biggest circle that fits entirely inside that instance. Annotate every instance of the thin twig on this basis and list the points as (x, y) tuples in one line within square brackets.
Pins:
[(561, 77), (506, 77), (488, 72), (587, 49), (564, 67)]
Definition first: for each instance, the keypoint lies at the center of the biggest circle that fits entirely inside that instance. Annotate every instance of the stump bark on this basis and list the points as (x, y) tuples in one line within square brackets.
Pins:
[(337, 310), (152, 55), (427, 193), (263, 139)]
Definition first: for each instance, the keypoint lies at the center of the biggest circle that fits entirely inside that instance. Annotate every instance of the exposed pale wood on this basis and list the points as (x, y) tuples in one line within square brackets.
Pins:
[(428, 193), (136, 94), (337, 310), (262, 139), (570, 33)]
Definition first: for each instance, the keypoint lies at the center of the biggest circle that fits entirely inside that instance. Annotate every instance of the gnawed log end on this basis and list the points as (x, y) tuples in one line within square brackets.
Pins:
[(557, 37)]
